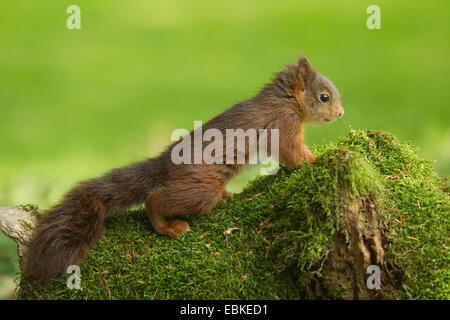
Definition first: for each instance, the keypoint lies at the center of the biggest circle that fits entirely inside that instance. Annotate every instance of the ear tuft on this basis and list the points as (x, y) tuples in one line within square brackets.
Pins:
[(305, 71)]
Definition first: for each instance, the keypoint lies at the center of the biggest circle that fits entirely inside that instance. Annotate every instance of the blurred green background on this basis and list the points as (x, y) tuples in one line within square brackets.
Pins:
[(76, 103)]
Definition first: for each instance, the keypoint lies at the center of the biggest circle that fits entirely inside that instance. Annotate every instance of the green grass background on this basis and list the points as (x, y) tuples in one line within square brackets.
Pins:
[(76, 103)]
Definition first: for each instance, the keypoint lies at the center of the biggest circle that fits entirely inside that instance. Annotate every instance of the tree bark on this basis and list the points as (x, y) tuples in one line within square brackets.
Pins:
[(17, 224)]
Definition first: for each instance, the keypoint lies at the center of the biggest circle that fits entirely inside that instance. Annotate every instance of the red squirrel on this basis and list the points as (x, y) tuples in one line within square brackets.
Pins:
[(66, 232)]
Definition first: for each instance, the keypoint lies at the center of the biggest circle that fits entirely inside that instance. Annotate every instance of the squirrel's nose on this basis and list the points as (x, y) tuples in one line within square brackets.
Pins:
[(340, 113)]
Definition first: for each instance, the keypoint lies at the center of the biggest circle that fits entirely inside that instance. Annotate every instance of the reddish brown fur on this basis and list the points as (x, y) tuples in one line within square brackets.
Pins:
[(69, 230)]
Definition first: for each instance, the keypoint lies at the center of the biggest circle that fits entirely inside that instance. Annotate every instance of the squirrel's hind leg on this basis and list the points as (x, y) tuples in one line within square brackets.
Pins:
[(179, 200)]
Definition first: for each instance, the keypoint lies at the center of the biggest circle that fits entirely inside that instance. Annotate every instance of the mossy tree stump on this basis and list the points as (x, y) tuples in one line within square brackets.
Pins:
[(309, 233)]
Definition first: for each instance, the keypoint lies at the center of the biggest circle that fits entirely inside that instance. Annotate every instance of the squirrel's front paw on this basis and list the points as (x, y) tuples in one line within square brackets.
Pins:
[(310, 158), (307, 157)]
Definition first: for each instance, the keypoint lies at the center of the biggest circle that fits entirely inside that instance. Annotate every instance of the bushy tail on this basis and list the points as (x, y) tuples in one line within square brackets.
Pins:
[(66, 232)]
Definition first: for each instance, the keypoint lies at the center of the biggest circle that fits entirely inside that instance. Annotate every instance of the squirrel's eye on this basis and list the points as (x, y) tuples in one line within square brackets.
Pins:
[(324, 97)]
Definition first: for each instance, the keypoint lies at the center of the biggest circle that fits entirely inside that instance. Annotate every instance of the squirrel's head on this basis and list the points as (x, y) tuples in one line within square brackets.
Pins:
[(313, 95)]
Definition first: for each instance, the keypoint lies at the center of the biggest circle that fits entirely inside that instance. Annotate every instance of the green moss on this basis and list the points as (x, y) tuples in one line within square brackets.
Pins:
[(26, 224), (258, 245), (32, 209)]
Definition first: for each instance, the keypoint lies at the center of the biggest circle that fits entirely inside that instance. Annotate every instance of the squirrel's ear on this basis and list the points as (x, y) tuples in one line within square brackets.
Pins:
[(305, 71)]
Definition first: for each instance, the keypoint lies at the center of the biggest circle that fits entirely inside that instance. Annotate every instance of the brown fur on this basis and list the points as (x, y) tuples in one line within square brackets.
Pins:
[(69, 230)]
